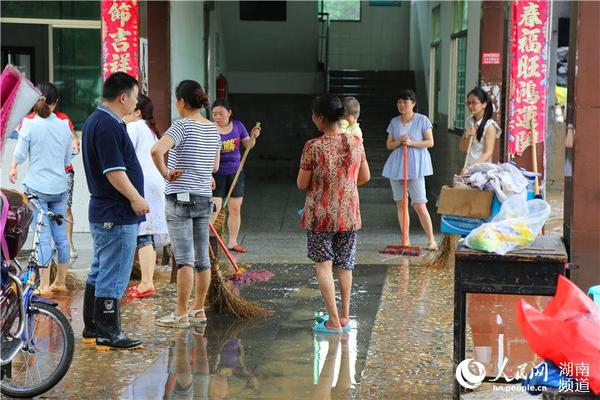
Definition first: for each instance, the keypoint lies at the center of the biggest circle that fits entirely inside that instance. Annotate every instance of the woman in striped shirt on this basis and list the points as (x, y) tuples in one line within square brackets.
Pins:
[(193, 144)]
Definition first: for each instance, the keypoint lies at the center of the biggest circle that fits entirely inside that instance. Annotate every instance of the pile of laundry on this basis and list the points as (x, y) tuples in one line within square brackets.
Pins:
[(504, 180)]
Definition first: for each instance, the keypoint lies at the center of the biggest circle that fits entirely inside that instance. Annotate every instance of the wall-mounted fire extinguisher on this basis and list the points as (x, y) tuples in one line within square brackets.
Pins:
[(221, 87)]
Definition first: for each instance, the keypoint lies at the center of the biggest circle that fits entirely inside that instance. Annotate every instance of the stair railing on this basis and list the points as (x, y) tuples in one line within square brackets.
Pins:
[(324, 47)]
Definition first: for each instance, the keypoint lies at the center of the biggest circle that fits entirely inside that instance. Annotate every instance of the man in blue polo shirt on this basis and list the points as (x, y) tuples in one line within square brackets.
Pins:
[(117, 206)]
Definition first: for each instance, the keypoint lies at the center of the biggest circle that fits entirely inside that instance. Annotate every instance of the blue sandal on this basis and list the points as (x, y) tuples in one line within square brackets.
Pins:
[(325, 317), (321, 328)]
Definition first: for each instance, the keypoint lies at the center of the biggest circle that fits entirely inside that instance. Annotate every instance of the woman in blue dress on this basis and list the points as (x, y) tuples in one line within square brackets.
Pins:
[(414, 130)]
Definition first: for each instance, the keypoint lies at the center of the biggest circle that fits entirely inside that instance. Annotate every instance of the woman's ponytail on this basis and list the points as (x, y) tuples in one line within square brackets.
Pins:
[(47, 100)]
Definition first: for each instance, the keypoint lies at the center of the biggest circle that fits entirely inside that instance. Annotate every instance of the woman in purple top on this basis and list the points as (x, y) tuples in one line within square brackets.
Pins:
[(232, 133)]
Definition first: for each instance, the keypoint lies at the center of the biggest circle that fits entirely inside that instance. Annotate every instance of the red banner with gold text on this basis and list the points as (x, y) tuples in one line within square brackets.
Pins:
[(528, 74), (120, 37)]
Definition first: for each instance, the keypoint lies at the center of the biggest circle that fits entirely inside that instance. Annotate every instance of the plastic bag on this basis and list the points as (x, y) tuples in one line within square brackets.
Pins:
[(517, 224), (567, 332)]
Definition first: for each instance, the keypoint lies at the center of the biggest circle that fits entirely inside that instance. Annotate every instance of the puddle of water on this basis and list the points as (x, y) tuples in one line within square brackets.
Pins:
[(278, 357)]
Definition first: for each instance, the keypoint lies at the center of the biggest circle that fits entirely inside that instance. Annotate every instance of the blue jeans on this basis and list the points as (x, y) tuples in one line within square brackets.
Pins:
[(114, 248), (188, 229), (57, 203)]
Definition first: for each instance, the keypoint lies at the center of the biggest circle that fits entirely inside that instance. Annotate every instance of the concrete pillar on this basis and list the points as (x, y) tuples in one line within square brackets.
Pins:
[(582, 191), (492, 38), (159, 61)]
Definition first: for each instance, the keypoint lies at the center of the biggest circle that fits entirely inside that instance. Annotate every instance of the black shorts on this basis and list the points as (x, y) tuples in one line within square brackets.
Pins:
[(224, 183)]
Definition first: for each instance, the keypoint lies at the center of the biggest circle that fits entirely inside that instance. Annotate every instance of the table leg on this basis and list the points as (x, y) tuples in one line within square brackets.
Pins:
[(459, 331)]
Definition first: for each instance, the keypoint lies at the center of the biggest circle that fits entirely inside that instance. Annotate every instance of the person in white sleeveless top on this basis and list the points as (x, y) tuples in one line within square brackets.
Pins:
[(481, 127), (194, 145), (141, 128)]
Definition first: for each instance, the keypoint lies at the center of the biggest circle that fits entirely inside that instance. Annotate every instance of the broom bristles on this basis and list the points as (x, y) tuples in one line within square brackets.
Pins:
[(444, 256), (223, 301), (219, 224)]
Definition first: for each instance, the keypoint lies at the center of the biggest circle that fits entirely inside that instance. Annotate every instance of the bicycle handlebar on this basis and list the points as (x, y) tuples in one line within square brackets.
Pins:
[(58, 218)]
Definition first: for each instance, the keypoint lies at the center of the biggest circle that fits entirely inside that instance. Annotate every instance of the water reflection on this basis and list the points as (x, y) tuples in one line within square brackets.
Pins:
[(278, 357), (335, 365), (212, 363)]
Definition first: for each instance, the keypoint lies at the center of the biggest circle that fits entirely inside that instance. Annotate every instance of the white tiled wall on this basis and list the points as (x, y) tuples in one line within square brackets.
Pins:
[(380, 41)]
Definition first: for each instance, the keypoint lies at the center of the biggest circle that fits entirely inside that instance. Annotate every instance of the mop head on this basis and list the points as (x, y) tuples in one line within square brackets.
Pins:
[(444, 256), (223, 301), (399, 250), (248, 277)]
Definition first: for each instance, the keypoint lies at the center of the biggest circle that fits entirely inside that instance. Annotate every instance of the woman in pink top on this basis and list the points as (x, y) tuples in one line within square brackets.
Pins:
[(331, 169)]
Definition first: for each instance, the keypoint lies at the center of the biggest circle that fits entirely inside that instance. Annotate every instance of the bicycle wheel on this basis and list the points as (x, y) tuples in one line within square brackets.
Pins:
[(45, 360)]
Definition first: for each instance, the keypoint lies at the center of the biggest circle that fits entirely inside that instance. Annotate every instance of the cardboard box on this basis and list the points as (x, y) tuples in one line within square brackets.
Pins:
[(465, 202)]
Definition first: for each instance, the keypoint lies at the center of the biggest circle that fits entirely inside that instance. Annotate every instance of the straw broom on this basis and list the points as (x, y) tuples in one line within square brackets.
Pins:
[(444, 256), (220, 298), (220, 220)]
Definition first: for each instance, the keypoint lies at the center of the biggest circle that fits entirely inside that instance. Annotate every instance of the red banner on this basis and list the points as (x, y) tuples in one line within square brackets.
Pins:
[(528, 74), (119, 37)]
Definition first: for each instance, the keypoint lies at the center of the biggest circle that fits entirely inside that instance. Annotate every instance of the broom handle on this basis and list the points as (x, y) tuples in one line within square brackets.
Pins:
[(405, 197), (468, 152), (536, 183), (225, 249), (239, 170)]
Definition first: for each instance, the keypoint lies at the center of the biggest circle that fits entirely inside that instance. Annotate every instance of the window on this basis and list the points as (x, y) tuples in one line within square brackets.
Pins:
[(435, 61), (435, 24), (76, 71), (458, 67), (340, 10), (81, 10)]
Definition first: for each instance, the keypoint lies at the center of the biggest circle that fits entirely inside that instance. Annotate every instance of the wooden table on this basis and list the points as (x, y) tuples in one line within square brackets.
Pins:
[(530, 271)]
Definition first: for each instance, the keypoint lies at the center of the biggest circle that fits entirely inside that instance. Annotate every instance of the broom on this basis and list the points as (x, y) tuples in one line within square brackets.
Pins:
[(220, 220), (223, 301), (220, 298), (240, 276), (444, 256), (403, 249)]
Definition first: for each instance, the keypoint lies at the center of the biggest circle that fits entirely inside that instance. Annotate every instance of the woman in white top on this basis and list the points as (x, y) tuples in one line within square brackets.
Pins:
[(481, 127), (142, 131)]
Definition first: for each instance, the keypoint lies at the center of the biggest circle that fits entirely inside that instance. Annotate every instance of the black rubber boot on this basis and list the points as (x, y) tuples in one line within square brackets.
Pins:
[(89, 328), (108, 326)]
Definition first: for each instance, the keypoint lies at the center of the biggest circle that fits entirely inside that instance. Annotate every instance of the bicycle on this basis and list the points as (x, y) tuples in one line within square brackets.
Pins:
[(37, 339)]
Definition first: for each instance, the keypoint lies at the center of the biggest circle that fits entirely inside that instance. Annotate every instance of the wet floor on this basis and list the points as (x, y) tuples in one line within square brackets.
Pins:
[(276, 357)]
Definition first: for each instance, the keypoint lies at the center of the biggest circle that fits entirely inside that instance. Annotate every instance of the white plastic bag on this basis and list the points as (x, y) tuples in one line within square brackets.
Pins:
[(517, 224)]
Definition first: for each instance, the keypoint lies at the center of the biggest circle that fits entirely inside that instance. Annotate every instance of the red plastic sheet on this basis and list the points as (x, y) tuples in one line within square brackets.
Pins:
[(567, 332)]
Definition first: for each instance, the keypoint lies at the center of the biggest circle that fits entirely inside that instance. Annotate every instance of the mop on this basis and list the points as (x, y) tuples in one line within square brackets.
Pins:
[(241, 276), (220, 298), (403, 249)]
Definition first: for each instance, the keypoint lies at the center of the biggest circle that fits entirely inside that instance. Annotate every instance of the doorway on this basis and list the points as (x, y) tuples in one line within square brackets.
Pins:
[(26, 47)]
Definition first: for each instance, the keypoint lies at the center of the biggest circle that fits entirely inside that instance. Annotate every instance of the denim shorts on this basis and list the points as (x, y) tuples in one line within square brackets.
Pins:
[(416, 190), (145, 240), (338, 247), (114, 248), (188, 229)]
